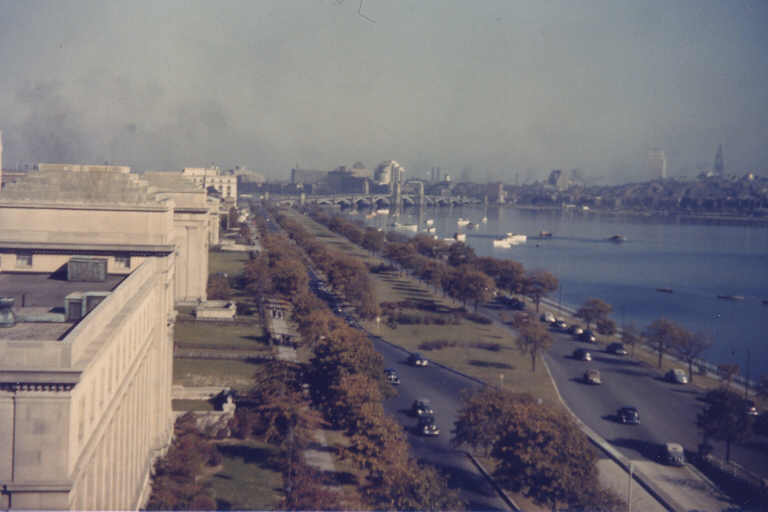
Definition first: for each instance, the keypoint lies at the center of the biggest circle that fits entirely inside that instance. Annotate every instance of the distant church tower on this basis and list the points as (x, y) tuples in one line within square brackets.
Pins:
[(719, 167), (657, 163)]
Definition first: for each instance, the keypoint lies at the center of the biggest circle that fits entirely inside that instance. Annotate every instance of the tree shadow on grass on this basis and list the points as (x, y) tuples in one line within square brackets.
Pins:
[(338, 478), (263, 457), (491, 364), (264, 338)]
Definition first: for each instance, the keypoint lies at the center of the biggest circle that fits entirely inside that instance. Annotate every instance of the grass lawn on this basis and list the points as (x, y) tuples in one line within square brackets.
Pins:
[(231, 263), (192, 405), (248, 478), (220, 335), (235, 373)]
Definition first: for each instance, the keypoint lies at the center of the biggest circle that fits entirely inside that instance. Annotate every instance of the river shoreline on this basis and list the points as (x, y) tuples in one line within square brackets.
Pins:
[(708, 219)]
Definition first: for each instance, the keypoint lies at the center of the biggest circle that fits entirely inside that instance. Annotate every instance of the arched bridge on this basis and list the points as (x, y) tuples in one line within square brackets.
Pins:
[(374, 201)]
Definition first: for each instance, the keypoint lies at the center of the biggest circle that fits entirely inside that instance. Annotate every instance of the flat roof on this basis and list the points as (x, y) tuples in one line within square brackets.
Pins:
[(48, 290), (41, 294)]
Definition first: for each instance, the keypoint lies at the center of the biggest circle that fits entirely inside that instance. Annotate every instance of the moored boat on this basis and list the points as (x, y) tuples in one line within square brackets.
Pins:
[(462, 221), (731, 297), (617, 238), (545, 234), (509, 240), (665, 290)]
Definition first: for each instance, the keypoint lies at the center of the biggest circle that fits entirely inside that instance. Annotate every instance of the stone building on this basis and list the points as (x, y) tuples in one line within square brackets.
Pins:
[(89, 263), (204, 177)]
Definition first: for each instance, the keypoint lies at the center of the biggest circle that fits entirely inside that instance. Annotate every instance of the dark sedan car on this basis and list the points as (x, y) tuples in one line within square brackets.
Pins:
[(582, 354), (628, 415), (427, 426), (417, 359), (422, 407), (617, 349), (588, 336)]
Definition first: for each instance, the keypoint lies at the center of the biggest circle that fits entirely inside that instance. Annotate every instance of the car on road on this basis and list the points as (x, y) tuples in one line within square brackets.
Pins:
[(592, 376), (588, 336), (676, 375), (422, 407), (673, 454), (616, 349), (547, 317), (561, 325), (427, 426), (576, 330), (511, 302), (582, 354), (628, 415), (416, 359), (392, 377), (750, 409)]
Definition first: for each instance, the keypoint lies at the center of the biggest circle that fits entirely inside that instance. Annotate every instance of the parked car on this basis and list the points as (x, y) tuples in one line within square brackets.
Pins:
[(427, 426), (628, 415), (511, 302), (561, 325), (749, 408), (547, 317), (422, 407), (392, 377), (677, 375), (576, 330), (592, 377), (588, 336), (582, 354), (417, 359), (616, 349), (674, 454)]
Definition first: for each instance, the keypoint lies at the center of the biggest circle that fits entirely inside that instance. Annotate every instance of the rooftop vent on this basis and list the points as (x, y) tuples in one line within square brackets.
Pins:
[(79, 304), (84, 268), (7, 316)]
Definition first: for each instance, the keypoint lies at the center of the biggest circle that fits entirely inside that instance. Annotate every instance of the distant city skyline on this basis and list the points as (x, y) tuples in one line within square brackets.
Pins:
[(502, 88)]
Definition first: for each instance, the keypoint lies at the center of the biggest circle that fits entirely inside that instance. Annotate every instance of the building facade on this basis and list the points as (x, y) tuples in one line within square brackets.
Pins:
[(86, 355), (204, 177)]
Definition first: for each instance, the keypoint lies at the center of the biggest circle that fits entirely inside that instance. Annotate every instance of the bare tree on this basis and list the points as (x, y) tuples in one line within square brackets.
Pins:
[(533, 339), (727, 372), (630, 335), (594, 310), (690, 346), (662, 335)]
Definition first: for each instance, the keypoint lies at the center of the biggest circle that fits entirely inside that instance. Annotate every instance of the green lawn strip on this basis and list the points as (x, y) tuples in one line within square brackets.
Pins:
[(192, 405), (235, 373), (222, 335), (248, 478), (230, 263)]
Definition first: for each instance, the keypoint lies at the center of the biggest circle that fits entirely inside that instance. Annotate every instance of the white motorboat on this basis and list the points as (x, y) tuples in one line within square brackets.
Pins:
[(429, 222), (431, 229), (509, 240), (484, 220), (382, 211), (462, 222), (460, 237), (406, 227)]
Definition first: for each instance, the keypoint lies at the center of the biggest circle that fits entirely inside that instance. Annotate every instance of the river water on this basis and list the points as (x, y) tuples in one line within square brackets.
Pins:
[(697, 261)]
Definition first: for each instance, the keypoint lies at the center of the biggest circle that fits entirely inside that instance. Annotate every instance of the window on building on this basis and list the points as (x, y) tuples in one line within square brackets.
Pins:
[(123, 261), (24, 259)]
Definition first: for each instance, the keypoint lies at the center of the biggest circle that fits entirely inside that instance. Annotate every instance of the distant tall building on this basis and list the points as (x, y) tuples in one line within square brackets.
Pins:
[(657, 163), (719, 167)]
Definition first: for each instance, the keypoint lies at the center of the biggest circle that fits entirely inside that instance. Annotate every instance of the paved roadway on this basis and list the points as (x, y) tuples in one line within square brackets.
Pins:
[(667, 411), (443, 388)]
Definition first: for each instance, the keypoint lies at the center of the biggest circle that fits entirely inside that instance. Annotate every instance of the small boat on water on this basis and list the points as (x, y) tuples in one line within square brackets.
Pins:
[(460, 237), (462, 222), (618, 238), (406, 227), (429, 222), (731, 297), (484, 220), (472, 225), (509, 240), (431, 229), (382, 211), (665, 290), (545, 234)]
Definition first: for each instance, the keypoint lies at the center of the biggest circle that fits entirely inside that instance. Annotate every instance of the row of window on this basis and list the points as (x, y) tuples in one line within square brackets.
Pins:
[(25, 259)]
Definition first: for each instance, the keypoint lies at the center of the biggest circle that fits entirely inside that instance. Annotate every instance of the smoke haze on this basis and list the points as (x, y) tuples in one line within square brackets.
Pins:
[(499, 87)]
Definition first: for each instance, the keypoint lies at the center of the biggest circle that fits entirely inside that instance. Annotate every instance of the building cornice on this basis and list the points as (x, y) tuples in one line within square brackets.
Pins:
[(80, 248)]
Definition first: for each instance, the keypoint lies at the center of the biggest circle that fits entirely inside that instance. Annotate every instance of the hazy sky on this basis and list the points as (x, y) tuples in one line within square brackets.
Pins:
[(496, 86)]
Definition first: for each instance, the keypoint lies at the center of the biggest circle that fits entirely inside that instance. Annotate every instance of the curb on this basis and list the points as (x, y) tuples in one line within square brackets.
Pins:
[(661, 497), (504, 496)]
